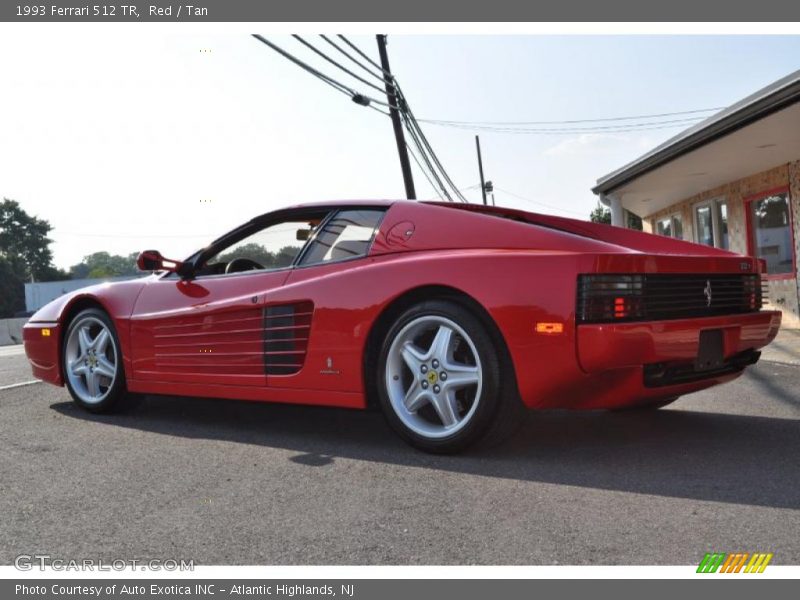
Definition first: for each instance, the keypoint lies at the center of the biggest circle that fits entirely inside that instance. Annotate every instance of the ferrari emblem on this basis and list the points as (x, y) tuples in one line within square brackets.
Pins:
[(432, 377), (707, 292)]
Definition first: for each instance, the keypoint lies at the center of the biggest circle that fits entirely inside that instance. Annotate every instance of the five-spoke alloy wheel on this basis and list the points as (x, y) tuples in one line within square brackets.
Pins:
[(92, 361), (440, 377), (433, 375)]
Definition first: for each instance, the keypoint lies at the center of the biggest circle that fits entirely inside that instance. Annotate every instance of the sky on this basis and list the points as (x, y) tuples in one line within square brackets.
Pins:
[(129, 141)]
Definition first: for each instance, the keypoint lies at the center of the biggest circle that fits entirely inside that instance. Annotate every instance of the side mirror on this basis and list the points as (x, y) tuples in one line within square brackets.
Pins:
[(151, 260), (303, 235)]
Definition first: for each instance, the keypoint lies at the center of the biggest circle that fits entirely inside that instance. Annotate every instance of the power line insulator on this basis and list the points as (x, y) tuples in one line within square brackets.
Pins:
[(360, 99)]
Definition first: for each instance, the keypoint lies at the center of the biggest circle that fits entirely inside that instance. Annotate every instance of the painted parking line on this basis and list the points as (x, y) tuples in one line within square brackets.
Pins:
[(16, 385)]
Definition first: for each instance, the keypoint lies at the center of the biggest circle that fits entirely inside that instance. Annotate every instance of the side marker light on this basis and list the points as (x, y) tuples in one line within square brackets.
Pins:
[(549, 328)]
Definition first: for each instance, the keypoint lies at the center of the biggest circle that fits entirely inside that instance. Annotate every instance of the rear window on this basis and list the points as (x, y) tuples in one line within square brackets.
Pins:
[(347, 235)]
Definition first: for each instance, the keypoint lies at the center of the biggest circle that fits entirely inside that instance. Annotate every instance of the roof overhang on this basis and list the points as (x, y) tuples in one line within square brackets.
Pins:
[(756, 134)]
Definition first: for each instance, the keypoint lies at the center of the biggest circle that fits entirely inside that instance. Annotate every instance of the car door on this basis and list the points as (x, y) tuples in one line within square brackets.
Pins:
[(309, 332), (211, 328)]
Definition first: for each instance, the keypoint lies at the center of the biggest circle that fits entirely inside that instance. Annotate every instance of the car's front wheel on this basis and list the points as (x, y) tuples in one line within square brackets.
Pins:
[(92, 362), (441, 381)]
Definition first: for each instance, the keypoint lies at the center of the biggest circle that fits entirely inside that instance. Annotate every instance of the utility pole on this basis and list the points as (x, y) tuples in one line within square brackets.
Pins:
[(480, 168), (392, 98)]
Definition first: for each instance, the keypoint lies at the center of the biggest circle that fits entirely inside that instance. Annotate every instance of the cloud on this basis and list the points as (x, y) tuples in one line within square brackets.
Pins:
[(585, 143)]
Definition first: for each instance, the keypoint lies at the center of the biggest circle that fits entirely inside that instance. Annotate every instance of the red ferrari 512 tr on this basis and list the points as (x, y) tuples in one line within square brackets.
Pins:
[(452, 318)]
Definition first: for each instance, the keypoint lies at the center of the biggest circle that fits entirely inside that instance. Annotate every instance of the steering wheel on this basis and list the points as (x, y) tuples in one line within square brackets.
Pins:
[(238, 265)]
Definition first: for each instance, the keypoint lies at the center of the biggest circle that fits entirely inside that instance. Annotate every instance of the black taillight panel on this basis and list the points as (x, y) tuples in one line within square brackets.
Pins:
[(610, 298), (613, 298)]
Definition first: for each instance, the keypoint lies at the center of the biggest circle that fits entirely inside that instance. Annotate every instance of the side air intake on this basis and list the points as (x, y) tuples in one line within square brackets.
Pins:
[(286, 331)]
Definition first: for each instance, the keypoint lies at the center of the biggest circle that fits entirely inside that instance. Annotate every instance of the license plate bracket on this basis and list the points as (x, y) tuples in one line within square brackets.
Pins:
[(710, 350)]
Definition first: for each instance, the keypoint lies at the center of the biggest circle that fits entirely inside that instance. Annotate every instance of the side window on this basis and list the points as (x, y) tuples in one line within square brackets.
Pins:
[(273, 247), (347, 235)]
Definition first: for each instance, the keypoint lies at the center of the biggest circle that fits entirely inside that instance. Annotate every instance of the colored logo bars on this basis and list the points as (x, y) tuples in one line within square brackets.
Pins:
[(734, 563)]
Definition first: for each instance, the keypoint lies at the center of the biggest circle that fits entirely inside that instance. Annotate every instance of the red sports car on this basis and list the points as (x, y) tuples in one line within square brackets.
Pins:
[(451, 318)]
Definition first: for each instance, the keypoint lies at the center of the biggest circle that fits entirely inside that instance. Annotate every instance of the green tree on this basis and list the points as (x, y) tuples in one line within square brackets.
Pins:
[(251, 250), (24, 242), (102, 264), (52, 273), (600, 214), (12, 290), (286, 255)]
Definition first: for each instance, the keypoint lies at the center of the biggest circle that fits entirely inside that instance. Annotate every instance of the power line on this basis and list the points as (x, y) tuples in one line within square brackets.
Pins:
[(561, 208), (363, 55), (574, 131), (421, 142), (418, 144), (425, 155), (424, 172), (350, 56), (306, 67), (354, 95), (599, 128), (319, 52), (409, 117), (419, 139), (573, 121)]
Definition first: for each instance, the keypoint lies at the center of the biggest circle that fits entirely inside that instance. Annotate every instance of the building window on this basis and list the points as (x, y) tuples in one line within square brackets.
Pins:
[(769, 224), (711, 223), (722, 229), (704, 224), (671, 226)]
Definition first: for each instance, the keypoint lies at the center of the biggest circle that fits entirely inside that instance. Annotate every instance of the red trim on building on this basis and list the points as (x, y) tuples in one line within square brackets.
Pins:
[(784, 189)]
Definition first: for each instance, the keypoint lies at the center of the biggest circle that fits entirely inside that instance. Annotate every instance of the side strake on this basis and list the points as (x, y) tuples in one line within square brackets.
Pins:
[(226, 342), (286, 335)]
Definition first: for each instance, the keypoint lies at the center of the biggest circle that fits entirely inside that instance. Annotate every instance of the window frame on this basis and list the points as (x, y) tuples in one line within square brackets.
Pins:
[(671, 218), (297, 264), (274, 218), (784, 189), (713, 205)]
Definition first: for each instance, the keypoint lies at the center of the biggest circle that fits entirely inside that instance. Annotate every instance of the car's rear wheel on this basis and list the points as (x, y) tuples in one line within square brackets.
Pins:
[(92, 362), (441, 382)]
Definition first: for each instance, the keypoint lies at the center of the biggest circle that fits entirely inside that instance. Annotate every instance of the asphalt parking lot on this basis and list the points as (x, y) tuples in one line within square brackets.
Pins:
[(243, 483)]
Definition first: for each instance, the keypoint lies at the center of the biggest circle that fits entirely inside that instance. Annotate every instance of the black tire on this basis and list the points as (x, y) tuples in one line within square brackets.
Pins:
[(116, 397), (499, 408)]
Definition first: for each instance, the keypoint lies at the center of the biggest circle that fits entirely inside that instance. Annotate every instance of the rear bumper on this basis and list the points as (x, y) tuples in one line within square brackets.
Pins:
[(605, 347), (41, 342)]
